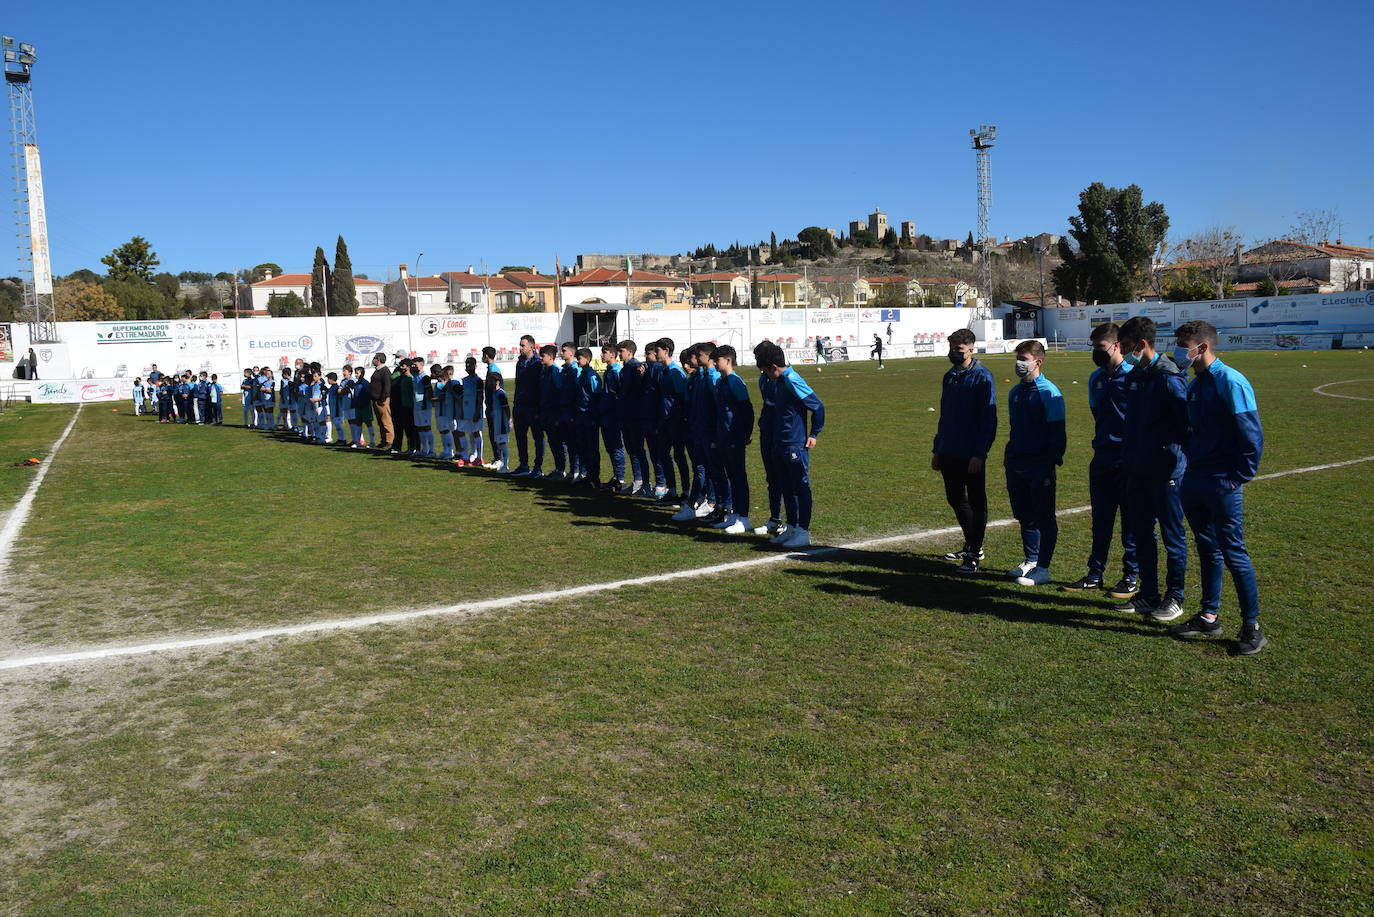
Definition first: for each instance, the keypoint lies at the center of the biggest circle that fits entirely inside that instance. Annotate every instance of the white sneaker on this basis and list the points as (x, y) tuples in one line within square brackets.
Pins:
[(784, 533), (739, 526), (1021, 570), (496, 465), (1036, 576), (685, 514), (705, 510), (798, 538)]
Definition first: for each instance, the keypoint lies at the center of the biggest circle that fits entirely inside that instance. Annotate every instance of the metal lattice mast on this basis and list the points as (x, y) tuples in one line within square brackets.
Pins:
[(983, 139), (35, 270)]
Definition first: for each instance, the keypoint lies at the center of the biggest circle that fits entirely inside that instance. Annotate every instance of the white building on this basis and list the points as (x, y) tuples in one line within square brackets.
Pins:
[(370, 293)]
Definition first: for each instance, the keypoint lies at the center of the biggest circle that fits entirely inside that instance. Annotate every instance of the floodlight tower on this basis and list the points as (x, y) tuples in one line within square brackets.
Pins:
[(983, 139), (35, 267)]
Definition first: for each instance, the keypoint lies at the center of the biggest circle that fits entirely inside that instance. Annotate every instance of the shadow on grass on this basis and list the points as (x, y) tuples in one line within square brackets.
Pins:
[(930, 583)]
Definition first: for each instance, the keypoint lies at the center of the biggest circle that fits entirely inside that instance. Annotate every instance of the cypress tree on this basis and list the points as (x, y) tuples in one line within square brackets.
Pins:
[(343, 297), (319, 283)]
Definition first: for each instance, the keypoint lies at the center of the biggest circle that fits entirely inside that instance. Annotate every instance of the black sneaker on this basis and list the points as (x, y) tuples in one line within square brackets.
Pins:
[(1196, 626), (1250, 640), (715, 517), (1136, 605), (964, 554), (969, 566), (1126, 589), (1167, 610), (1091, 581)]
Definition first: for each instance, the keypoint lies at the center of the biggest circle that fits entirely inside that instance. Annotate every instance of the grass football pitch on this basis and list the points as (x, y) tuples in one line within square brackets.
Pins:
[(855, 731)]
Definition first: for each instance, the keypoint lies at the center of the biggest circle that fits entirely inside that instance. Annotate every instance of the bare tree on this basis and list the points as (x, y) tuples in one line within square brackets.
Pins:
[(1315, 227), (1212, 252)]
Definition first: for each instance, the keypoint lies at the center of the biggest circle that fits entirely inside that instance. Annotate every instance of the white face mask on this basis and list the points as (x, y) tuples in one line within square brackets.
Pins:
[(1023, 368)]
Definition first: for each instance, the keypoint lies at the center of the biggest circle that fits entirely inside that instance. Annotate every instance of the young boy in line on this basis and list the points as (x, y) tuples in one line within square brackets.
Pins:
[(344, 414), (631, 430), (549, 385), (963, 438), (424, 409), (247, 387), (333, 416), (653, 419), (794, 405), (499, 423), (216, 400), (1153, 462), (315, 407), (609, 410), (770, 467), (1224, 449), (1107, 402), (164, 401), (1035, 448), (442, 401), (362, 410), (471, 400), (734, 432), (567, 399), (202, 388), (702, 496), (675, 381), (585, 418), (289, 396), (138, 396)]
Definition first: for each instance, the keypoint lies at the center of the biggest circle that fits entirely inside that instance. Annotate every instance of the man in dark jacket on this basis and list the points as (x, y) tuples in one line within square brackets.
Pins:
[(966, 429), (526, 415), (403, 407), (1153, 462), (379, 391)]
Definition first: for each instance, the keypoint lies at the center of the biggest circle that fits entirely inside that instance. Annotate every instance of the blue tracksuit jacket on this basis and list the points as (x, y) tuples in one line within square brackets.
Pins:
[(1225, 438), (527, 374), (611, 381), (1035, 410), (734, 411), (968, 412), (1157, 420), (793, 399), (1107, 402)]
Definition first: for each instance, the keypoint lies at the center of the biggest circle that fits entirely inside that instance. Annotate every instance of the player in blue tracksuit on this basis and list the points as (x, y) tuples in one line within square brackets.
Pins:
[(291, 411), (963, 438), (470, 412), (1106, 483), (246, 390), (216, 400), (499, 422), (549, 383), (771, 474), (1224, 447), (567, 401), (653, 419), (734, 431), (266, 398), (631, 430), (528, 369), (673, 429), (201, 389), (164, 401), (714, 489), (1035, 448), (609, 411), (586, 418), (1153, 460), (792, 441)]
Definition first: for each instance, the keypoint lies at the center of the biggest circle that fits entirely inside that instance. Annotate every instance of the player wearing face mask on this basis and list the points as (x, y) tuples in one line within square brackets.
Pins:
[(1034, 450), (967, 427), (1224, 448), (1106, 483), (1153, 461)]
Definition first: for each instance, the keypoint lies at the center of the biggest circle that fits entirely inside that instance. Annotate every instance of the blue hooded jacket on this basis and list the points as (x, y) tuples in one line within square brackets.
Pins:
[(1156, 420), (968, 412)]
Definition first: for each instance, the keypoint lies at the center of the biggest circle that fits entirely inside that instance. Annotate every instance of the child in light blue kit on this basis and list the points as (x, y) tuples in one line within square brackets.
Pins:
[(138, 396), (499, 420)]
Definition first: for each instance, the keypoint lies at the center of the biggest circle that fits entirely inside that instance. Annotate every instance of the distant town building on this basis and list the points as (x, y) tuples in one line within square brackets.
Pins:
[(877, 223)]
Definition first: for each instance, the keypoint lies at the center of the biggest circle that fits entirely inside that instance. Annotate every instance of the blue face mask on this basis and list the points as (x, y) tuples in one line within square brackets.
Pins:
[(1132, 359), (1181, 357)]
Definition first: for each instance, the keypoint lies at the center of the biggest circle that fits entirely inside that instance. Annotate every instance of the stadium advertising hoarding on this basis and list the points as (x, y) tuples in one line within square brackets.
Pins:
[(6, 343), (133, 332), (80, 391)]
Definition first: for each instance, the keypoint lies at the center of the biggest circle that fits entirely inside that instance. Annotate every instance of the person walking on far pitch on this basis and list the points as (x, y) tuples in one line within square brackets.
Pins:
[(1224, 448), (967, 427), (877, 350)]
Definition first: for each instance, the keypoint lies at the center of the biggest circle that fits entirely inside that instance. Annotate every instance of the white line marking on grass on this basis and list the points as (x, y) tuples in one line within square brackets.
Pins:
[(469, 608), (9, 533), (1321, 390)]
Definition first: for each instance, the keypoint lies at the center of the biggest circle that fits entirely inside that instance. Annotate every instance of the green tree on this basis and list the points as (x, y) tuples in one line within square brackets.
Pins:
[(133, 259), (168, 286), (1195, 284), (225, 276), (85, 274), (890, 296), (319, 284), (11, 299), (734, 299), (79, 301), (260, 272), (343, 297), (207, 300), (286, 305), (754, 302), (772, 242), (195, 277), (863, 239), (890, 238), (138, 300), (506, 269), (816, 242), (1114, 235)]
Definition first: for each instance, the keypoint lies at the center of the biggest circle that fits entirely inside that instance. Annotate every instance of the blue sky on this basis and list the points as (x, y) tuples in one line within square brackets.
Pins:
[(235, 134)]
